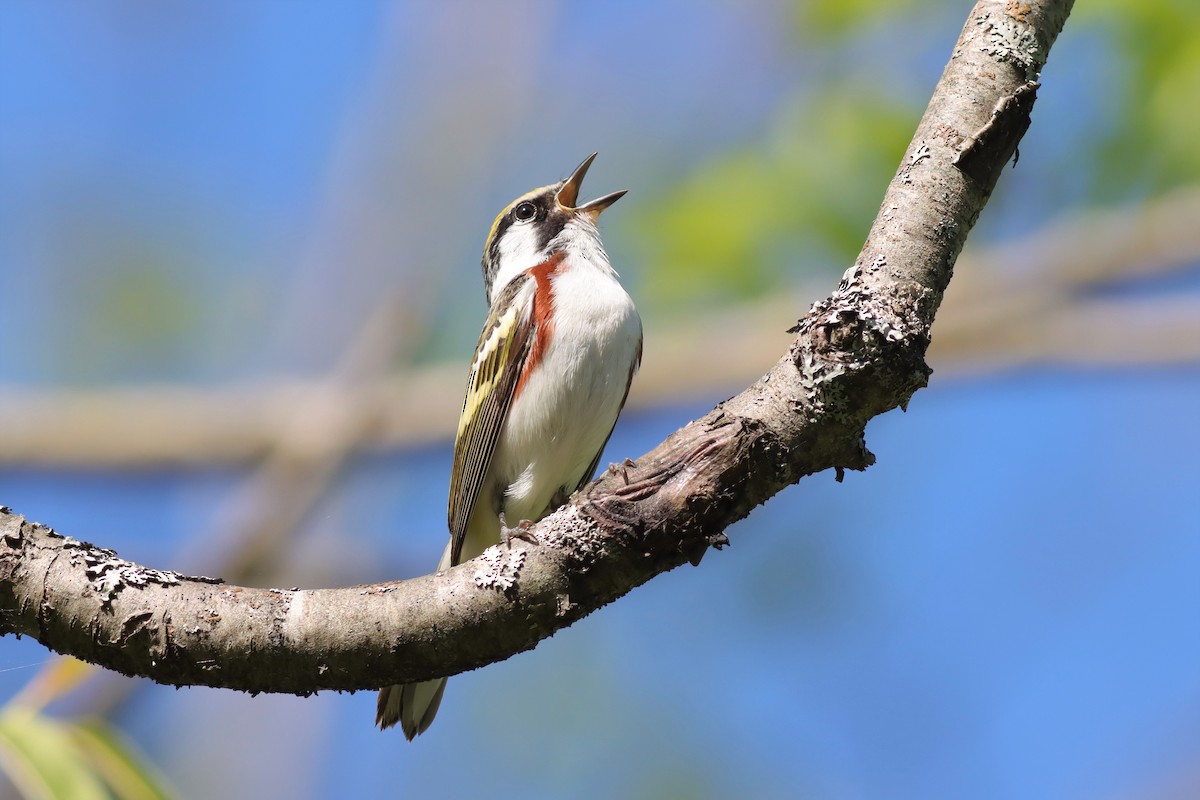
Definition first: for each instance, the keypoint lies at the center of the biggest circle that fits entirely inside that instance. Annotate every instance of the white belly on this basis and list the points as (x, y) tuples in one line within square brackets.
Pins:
[(559, 424)]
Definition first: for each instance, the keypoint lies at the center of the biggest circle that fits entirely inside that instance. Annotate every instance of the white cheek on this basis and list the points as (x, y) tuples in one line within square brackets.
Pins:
[(518, 252)]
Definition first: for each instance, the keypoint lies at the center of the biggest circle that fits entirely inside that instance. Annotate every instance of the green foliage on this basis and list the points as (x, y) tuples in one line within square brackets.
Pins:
[(835, 19), (39, 757), (765, 204), (126, 772), (806, 190), (53, 759), (1150, 144)]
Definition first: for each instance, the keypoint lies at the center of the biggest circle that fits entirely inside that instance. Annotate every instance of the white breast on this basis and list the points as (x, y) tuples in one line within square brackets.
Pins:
[(569, 405)]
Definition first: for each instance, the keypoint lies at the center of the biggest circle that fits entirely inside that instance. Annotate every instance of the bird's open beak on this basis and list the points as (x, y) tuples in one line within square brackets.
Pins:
[(568, 195)]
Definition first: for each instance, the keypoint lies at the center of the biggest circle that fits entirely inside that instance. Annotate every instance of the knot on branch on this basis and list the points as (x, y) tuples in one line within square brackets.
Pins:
[(985, 152), (854, 344), (662, 503)]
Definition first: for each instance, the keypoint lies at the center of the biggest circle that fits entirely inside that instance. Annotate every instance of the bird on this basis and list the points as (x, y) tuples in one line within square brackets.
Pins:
[(549, 378)]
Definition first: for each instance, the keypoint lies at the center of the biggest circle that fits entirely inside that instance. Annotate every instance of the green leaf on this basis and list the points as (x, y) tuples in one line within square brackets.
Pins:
[(822, 20), (735, 228), (41, 759), (128, 773), (1147, 143)]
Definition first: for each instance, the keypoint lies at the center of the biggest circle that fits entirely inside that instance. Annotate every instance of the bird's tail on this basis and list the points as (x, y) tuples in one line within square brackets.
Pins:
[(413, 705)]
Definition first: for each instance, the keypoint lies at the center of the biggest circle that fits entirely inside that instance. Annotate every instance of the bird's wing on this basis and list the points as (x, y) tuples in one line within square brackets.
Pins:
[(500, 356), (633, 368)]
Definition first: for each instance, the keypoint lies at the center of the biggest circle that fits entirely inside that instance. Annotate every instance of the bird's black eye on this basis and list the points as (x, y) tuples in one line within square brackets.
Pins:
[(524, 211)]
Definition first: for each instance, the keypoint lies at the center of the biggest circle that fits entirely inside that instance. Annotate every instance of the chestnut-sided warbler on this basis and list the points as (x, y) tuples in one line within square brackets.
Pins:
[(550, 375)]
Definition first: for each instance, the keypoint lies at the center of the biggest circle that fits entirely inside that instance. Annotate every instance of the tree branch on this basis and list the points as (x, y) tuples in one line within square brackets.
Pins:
[(856, 354)]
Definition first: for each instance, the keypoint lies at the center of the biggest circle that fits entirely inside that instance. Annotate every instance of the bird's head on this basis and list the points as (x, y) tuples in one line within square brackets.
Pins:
[(537, 224)]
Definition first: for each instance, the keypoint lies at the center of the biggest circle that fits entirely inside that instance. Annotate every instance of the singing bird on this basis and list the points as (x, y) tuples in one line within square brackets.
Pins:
[(550, 375)]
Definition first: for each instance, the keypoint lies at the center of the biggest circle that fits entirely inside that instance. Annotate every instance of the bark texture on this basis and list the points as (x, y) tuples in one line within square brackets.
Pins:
[(856, 354)]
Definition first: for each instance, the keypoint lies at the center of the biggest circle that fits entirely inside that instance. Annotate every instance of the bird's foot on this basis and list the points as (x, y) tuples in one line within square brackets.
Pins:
[(521, 531)]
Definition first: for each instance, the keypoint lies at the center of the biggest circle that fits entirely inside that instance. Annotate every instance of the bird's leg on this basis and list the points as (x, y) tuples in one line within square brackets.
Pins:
[(521, 531)]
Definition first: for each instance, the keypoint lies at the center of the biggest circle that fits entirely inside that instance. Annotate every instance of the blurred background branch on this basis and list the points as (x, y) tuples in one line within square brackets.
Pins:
[(1039, 299)]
